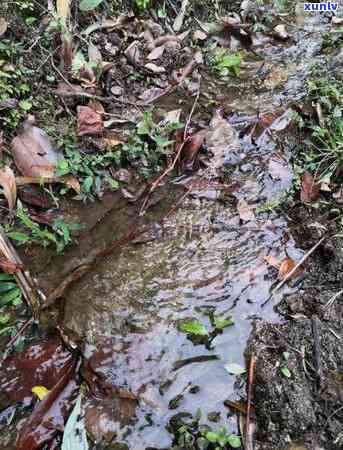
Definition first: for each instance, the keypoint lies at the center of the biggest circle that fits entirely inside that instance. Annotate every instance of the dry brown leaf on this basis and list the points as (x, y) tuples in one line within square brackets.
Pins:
[(7, 181), (96, 106), (112, 141), (309, 189), (191, 149), (286, 266), (3, 26), (89, 122), (73, 183), (156, 53), (33, 152), (245, 211), (63, 9)]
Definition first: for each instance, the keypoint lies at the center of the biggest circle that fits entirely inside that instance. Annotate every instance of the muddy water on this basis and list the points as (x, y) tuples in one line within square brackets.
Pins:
[(204, 261)]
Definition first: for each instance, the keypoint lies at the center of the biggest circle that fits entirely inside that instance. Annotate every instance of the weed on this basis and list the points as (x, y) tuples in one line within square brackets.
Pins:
[(225, 62), (10, 297), (60, 237), (149, 145), (324, 149), (142, 4)]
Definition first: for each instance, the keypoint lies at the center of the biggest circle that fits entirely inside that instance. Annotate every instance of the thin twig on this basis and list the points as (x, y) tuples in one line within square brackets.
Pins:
[(95, 97), (14, 339), (317, 352), (333, 299), (295, 268), (247, 438)]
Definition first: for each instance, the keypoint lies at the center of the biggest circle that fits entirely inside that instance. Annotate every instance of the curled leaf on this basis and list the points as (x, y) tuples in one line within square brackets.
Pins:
[(309, 189), (89, 122), (40, 391)]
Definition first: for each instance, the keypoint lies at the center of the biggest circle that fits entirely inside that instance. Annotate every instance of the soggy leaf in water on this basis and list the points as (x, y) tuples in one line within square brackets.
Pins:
[(40, 391), (285, 372), (234, 369), (7, 181), (49, 415), (309, 189), (33, 152), (89, 122), (89, 5), (220, 324), (75, 436), (286, 266), (234, 441), (194, 327)]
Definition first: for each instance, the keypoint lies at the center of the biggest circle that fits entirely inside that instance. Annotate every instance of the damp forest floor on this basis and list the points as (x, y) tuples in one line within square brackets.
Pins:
[(171, 250)]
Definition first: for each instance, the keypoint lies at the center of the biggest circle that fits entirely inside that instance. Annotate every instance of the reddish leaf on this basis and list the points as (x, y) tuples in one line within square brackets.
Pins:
[(44, 217), (10, 267), (309, 189), (33, 196), (286, 266), (49, 415), (89, 122)]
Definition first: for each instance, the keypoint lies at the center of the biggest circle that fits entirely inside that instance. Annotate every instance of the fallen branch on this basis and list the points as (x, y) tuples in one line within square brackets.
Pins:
[(317, 352), (295, 268), (248, 445), (109, 99)]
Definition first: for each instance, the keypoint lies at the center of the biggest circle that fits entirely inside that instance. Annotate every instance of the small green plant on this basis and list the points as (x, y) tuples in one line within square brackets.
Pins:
[(149, 145), (225, 62), (142, 4), (221, 439), (61, 237), (10, 296)]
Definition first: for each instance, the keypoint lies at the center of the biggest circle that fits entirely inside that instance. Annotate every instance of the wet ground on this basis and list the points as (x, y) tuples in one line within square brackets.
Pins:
[(206, 260)]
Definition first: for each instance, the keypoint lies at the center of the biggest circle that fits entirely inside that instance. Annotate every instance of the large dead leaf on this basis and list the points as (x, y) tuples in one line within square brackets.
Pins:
[(33, 152), (89, 122), (191, 149), (49, 416), (309, 189), (7, 181)]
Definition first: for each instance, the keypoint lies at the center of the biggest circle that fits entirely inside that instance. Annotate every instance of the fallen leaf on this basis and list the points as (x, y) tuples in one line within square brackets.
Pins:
[(49, 415), (285, 372), (281, 32), (199, 35), (3, 26), (106, 23), (94, 54), (43, 217), (234, 369), (113, 140), (122, 175), (309, 189), (7, 181), (193, 327), (40, 391), (89, 5), (9, 266), (154, 68), (33, 152), (134, 54), (73, 183), (156, 53), (75, 435), (245, 211), (68, 87), (41, 364), (89, 122), (33, 195), (272, 261), (96, 106), (286, 266), (191, 149)]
